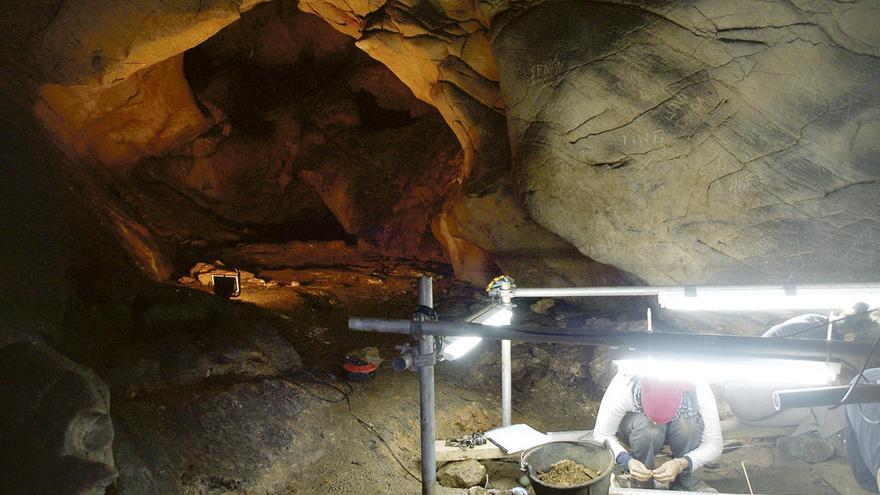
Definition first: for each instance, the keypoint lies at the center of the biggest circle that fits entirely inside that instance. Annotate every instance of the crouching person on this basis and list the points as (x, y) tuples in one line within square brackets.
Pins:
[(863, 437), (648, 413)]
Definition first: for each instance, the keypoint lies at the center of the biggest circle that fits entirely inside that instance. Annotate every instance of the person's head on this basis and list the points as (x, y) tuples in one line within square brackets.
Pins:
[(661, 397), (858, 323)]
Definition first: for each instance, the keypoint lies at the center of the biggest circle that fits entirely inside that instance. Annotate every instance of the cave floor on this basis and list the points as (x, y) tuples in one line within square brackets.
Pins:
[(369, 442)]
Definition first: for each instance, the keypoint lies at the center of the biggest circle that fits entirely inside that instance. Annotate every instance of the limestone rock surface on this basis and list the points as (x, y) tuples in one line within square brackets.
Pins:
[(97, 42), (678, 142), (147, 114), (698, 142), (687, 142), (462, 474), (492, 233), (239, 438), (277, 126), (56, 432)]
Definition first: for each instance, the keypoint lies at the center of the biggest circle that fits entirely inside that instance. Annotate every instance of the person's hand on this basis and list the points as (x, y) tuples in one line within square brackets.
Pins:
[(638, 470), (670, 470)]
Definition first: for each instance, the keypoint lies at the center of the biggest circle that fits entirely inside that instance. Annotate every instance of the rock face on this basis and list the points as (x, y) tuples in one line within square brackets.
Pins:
[(147, 114), (485, 234), (243, 438), (462, 474), (201, 397), (277, 126), (680, 142), (56, 431), (699, 142), (95, 42)]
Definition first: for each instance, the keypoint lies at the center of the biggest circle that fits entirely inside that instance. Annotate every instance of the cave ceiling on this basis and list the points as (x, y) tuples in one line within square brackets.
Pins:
[(678, 141)]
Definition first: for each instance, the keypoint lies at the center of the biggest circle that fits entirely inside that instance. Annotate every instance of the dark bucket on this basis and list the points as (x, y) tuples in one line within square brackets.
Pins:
[(593, 455)]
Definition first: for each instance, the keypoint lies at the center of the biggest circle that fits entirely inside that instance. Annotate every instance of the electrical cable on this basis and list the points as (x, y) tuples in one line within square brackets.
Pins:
[(736, 446), (859, 377), (866, 418), (379, 436), (292, 379), (345, 396), (850, 365)]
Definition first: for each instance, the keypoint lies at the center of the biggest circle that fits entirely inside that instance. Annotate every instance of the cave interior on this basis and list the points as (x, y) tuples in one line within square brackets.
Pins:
[(327, 154)]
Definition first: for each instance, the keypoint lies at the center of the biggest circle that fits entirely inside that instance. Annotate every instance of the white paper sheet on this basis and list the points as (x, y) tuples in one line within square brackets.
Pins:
[(515, 438)]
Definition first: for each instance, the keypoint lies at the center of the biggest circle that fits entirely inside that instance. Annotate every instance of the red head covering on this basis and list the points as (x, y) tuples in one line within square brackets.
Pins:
[(661, 398)]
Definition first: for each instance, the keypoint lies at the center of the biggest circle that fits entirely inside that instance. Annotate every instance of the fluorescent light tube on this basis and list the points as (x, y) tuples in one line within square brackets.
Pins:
[(722, 370), (495, 315), (766, 299)]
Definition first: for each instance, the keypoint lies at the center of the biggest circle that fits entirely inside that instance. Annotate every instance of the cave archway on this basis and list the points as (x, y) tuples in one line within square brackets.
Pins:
[(311, 140)]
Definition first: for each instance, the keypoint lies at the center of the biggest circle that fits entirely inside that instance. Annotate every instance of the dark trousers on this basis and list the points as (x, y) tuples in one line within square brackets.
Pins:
[(646, 439)]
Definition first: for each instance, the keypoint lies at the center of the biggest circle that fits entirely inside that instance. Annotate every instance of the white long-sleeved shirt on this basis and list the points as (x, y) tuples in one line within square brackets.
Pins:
[(618, 400)]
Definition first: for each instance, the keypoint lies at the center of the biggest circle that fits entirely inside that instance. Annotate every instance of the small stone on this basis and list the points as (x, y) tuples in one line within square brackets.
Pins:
[(294, 284), (185, 280), (542, 306), (703, 487), (205, 272), (479, 490), (462, 474), (200, 268), (810, 447)]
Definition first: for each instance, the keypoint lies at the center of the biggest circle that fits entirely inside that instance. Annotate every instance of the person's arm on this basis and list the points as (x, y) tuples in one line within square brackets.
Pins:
[(616, 402), (711, 442)]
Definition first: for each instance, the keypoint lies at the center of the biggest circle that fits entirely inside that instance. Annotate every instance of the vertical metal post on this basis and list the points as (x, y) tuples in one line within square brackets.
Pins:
[(830, 330), (426, 396), (505, 383), (830, 334), (506, 373)]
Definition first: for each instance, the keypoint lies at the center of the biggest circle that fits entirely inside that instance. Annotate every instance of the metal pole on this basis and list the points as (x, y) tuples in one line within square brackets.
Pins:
[(505, 383), (656, 342), (426, 396), (825, 396), (653, 291), (587, 291)]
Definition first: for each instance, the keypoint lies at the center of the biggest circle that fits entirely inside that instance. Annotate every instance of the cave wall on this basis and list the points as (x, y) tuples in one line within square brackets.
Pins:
[(308, 131), (275, 128), (148, 114), (102, 43), (702, 142), (682, 142)]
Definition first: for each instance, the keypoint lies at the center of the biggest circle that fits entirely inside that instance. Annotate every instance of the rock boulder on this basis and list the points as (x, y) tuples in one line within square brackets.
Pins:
[(462, 474), (55, 424)]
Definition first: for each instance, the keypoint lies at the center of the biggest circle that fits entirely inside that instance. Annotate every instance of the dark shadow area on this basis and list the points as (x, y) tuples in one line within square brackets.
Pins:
[(373, 116)]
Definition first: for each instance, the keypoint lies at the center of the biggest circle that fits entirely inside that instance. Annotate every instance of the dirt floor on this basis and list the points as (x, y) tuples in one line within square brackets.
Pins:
[(367, 433)]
